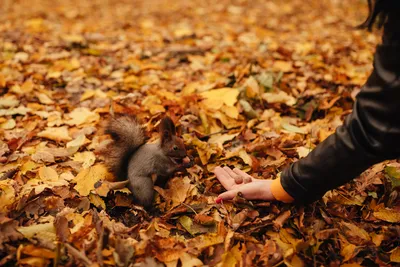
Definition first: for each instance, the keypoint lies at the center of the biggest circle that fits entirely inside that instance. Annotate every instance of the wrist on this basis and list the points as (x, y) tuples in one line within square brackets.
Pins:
[(279, 193)]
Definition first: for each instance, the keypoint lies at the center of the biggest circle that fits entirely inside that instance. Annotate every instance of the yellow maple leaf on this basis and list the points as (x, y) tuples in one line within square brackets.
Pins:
[(81, 116), (87, 178), (215, 99), (87, 158), (231, 257)]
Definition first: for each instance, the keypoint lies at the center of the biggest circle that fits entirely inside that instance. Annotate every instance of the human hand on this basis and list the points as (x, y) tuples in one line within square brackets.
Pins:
[(235, 181)]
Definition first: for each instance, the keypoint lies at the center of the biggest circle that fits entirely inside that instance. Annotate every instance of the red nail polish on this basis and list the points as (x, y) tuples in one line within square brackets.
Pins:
[(218, 200)]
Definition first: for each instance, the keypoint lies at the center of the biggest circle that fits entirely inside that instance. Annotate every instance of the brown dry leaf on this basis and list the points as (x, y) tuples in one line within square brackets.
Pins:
[(204, 219), (395, 255), (388, 215), (203, 241), (294, 261), (231, 81), (241, 153), (346, 200), (204, 149), (38, 252), (7, 194), (167, 249), (238, 219), (351, 265), (27, 87), (179, 190), (283, 66), (354, 233), (348, 252), (8, 230), (44, 99), (281, 219)]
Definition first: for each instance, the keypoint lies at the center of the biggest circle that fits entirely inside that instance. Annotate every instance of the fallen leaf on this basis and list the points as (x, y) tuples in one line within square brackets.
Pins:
[(388, 215), (354, 233), (188, 260), (279, 97), (56, 134), (74, 145), (8, 125), (283, 66), (38, 252), (7, 194), (216, 98), (81, 116), (231, 257), (48, 174), (87, 178), (32, 230), (395, 255)]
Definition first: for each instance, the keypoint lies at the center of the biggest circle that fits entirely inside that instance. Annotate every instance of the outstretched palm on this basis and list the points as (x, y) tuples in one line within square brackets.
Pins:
[(235, 181)]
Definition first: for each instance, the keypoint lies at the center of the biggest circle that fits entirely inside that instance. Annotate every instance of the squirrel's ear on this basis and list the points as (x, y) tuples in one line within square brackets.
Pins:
[(167, 129)]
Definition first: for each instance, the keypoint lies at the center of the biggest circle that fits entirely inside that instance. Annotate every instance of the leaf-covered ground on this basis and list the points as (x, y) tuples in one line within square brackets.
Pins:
[(253, 84)]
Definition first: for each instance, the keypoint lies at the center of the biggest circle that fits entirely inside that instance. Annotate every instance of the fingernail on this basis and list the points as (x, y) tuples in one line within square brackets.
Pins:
[(218, 200)]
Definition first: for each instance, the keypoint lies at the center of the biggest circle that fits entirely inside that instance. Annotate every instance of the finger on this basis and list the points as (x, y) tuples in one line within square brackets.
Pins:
[(228, 195), (238, 179), (224, 178), (245, 176)]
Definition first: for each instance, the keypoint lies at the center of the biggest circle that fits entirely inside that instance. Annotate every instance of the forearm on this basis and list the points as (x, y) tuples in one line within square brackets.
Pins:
[(370, 134)]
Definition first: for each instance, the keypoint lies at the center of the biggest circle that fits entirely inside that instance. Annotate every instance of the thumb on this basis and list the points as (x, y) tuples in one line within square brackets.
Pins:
[(228, 195)]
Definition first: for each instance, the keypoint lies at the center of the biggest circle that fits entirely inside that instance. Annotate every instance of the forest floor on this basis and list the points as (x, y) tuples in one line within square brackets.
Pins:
[(251, 84)]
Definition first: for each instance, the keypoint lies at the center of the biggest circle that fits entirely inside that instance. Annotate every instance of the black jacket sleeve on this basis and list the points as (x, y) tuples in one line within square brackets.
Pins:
[(370, 134)]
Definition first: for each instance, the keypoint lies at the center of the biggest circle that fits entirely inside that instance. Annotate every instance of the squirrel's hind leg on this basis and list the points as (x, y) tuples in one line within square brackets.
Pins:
[(142, 188)]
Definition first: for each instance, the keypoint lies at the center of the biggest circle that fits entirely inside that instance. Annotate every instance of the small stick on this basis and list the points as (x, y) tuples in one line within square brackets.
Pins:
[(78, 254)]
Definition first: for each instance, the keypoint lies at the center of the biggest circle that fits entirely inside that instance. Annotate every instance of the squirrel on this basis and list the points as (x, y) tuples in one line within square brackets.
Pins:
[(129, 156)]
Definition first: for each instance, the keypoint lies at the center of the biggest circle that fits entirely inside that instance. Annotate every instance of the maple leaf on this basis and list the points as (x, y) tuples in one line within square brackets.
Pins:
[(87, 178)]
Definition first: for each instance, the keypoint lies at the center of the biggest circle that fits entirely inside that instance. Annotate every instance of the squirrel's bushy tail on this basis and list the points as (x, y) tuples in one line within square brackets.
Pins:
[(128, 135)]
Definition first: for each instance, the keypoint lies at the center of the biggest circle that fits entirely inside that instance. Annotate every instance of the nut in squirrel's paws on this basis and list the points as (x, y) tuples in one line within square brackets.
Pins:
[(187, 162)]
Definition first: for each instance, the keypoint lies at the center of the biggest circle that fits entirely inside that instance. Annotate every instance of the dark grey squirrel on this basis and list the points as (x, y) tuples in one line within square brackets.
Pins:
[(130, 157)]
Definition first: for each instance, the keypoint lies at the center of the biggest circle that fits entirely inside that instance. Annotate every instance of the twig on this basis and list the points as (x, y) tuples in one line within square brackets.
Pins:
[(187, 206), (78, 254)]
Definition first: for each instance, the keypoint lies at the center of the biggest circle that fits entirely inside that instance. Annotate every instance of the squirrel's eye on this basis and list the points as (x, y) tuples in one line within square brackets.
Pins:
[(175, 148)]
